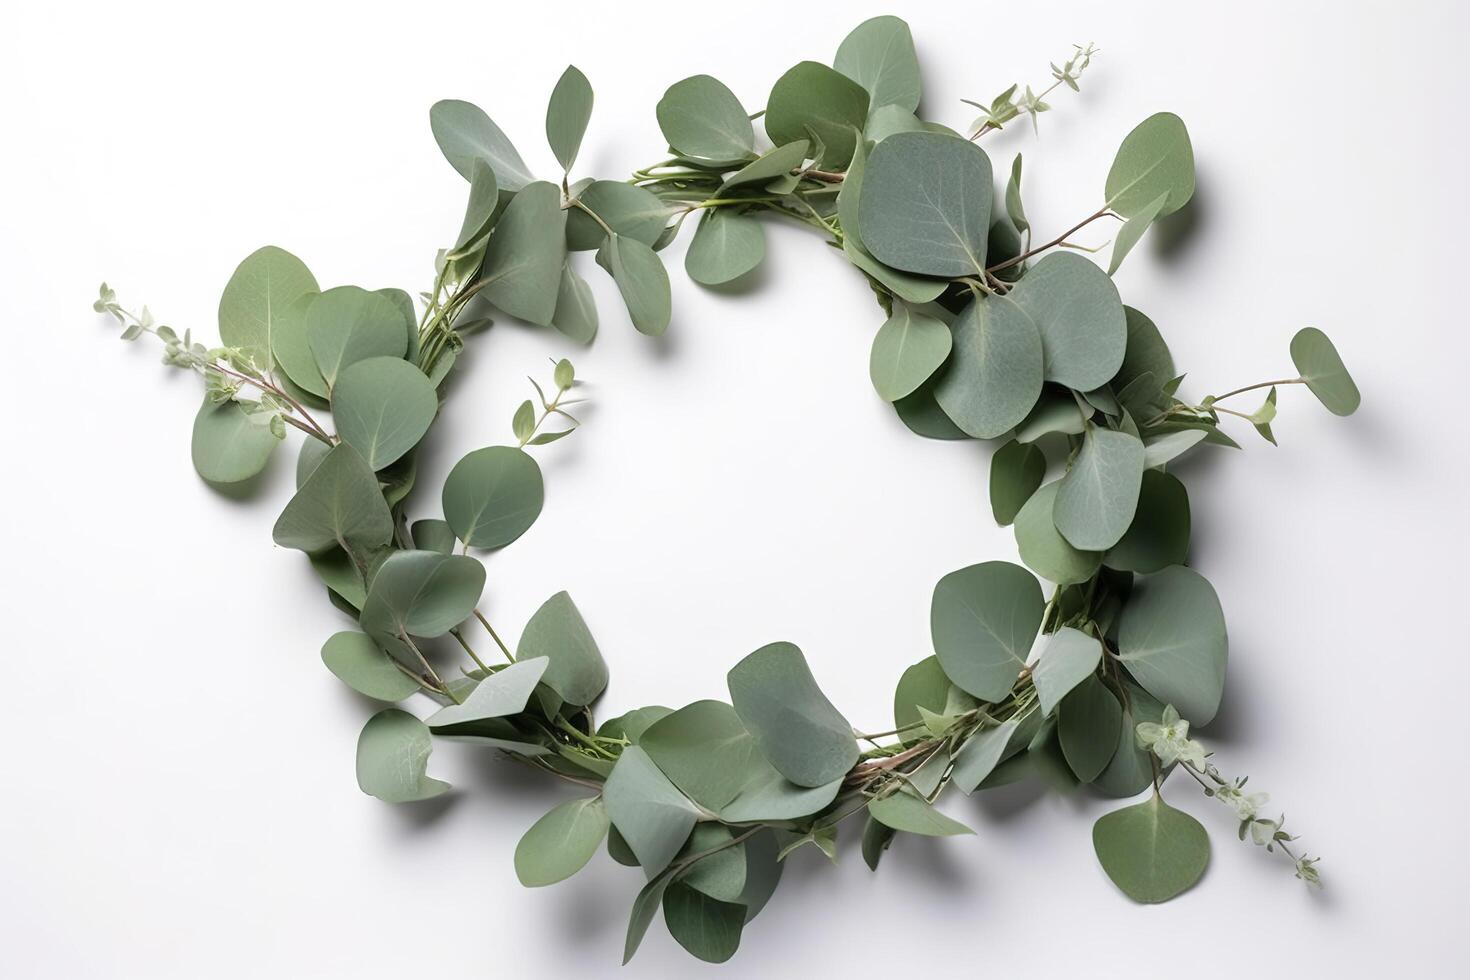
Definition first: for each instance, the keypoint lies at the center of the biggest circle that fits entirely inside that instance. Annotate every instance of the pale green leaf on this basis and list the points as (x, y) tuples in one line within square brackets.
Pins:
[(227, 445), (1171, 637), (814, 98), (983, 620), (576, 670), (925, 204), (465, 134), (560, 843), (1016, 471), (703, 119), (642, 281), (382, 407), (907, 349), (363, 666), (994, 375), (1322, 369), (524, 258), (907, 812), (422, 593), (393, 758), (1071, 656), (1150, 850), (347, 324), (1097, 498), (652, 816), (493, 496), (1042, 546), (567, 114), (879, 55), (1155, 159), (339, 505), (725, 247), (796, 728), (258, 294)]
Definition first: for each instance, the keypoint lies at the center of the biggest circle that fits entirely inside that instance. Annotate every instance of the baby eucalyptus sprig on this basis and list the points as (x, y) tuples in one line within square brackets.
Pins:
[(987, 335)]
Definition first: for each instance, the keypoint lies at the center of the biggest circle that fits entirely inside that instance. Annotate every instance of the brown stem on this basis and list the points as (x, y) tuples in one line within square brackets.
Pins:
[(1051, 244)]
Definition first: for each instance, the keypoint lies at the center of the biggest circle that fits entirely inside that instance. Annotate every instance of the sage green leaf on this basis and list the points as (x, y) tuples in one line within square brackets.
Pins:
[(1171, 637), (630, 211), (703, 119), (1076, 308), (560, 843), (707, 928), (228, 445), (906, 811), (720, 873), (632, 724), (557, 631), (618, 849), (767, 795), (1159, 534), (1150, 850), (1098, 497), (1131, 770), (925, 204), (762, 872), (259, 292), (567, 115), (1133, 230), (994, 375), (393, 758), (879, 55), (432, 535), (814, 98), (292, 347), (1155, 160), (926, 687), (1169, 446), (876, 840), (1322, 369), (493, 496), (422, 593), (726, 246), (363, 666), (1088, 720), (908, 348), (1014, 209), (505, 692), (796, 728), (339, 505), (1145, 353), (910, 289), (479, 212), (347, 324), (524, 258), (382, 407), (652, 816), (1070, 657), (888, 120), (983, 620), (576, 310), (1042, 546), (465, 134), (979, 756), (923, 416), (704, 749), (342, 577), (779, 162), (849, 196), (1016, 471), (642, 281), (645, 906)]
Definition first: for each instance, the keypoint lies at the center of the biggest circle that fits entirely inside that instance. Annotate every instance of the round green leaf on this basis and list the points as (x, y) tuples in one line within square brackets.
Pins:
[(504, 693), (795, 727), (1172, 639), (879, 55), (523, 261), (339, 505), (560, 843), (1155, 160), (1016, 470), (1159, 534), (422, 593), (1042, 546), (382, 407), (363, 666), (465, 134), (630, 211), (814, 98), (703, 119), (726, 246), (994, 375), (925, 205), (908, 348), (1076, 309), (983, 620), (1071, 656), (1098, 497), (720, 875), (393, 756), (1088, 720), (259, 292), (228, 446), (1323, 371), (1151, 851), (650, 814), (704, 749), (567, 114), (292, 347), (707, 928), (575, 669), (642, 281), (923, 416), (493, 496), (347, 324)]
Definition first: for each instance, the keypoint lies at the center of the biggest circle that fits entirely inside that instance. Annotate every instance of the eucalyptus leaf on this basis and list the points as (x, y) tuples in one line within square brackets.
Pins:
[(1076, 309), (1098, 497), (1088, 720), (994, 375), (492, 496), (812, 97), (576, 310), (567, 115), (292, 347), (505, 692), (980, 754), (1014, 209), (1070, 657), (339, 505), (422, 593), (228, 445), (925, 204), (630, 211), (576, 670), (1159, 534), (707, 928), (1016, 471), (524, 258), (560, 843), (642, 281), (704, 750), (1131, 769), (879, 55), (926, 687), (363, 666), (1172, 639), (479, 211), (382, 407), (1042, 546), (1170, 446), (649, 812), (261, 290), (465, 134), (701, 118), (888, 120), (909, 288), (796, 728), (725, 247), (432, 534), (1156, 159), (393, 757), (907, 812), (779, 162), (908, 348), (1322, 369), (720, 871), (1133, 230), (1150, 850), (983, 620), (347, 324)]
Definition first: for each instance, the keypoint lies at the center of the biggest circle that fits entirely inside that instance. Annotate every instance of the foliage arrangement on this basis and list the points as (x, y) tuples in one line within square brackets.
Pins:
[(988, 335)]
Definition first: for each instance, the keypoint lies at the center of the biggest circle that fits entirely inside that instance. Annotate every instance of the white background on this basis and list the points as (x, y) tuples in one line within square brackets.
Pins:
[(179, 798)]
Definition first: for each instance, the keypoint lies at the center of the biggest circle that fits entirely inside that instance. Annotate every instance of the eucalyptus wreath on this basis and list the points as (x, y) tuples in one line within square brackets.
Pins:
[(988, 334)]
